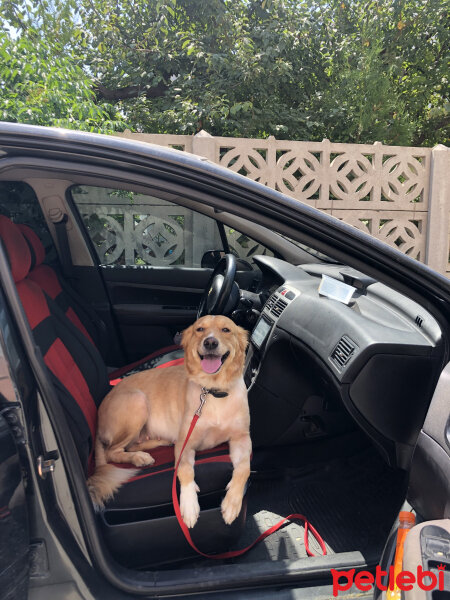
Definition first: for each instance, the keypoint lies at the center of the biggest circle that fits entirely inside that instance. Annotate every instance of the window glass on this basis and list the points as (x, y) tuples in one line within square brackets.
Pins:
[(320, 255), (244, 246), (132, 229)]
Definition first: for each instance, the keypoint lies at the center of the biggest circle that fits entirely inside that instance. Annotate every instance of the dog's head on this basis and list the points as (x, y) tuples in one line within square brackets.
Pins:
[(214, 349)]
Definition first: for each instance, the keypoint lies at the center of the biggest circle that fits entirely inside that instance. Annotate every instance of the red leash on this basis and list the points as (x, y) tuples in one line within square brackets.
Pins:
[(234, 553)]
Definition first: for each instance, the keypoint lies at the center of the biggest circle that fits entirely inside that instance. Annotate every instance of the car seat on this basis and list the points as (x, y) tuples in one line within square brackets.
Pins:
[(138, 523)]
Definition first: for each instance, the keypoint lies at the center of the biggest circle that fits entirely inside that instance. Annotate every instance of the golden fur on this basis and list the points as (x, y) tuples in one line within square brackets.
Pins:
[(155, 407)]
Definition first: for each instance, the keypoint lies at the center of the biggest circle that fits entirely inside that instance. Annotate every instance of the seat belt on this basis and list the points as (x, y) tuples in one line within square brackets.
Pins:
[(63, 244), (68, 272)]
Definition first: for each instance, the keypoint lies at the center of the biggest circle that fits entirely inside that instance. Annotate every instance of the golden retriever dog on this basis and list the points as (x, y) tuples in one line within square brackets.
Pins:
[(155, 408)]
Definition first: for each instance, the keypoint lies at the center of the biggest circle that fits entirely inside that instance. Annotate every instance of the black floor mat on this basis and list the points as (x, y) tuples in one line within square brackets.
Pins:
[(352, 502)]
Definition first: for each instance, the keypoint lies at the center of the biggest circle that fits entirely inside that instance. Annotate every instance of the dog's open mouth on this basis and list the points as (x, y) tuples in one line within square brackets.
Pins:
[(212, 363)]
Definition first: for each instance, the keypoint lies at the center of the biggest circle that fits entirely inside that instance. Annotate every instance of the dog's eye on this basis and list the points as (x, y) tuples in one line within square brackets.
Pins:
[(200, 329), (225, 330)]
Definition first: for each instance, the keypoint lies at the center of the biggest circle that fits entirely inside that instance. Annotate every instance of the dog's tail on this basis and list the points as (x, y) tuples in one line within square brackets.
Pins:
[(107, 478), (105, 481)]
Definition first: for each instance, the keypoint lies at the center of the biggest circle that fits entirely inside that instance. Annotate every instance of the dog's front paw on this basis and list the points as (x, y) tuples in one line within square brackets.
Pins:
[(189, 506), (231, 506), (141, 459)]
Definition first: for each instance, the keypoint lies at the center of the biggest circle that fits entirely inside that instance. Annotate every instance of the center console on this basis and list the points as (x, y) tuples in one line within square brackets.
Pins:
[(264, 329), (290, 397)]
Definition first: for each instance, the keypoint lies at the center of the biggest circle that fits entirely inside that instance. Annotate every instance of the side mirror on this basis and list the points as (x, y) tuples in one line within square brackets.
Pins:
[(211, 258)]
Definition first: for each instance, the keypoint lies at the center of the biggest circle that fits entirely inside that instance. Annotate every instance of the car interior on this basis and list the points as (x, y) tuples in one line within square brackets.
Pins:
[(340, 368)]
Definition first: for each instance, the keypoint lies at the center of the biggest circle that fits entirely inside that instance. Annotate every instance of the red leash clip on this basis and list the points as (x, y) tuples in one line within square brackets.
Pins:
[(234, 553)]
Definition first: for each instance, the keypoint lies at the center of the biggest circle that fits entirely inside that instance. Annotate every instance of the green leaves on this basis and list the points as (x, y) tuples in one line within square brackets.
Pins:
[(241, 107), (348, 70), (41, 86)]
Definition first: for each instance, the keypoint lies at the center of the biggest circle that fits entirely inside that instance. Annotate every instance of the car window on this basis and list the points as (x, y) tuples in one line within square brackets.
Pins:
[(244, 246), (18, 202), (132, 229)]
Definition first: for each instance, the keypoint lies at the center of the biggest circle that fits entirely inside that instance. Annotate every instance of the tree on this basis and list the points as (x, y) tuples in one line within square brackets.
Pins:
[(349, 70), (42, 85), (393, 55)]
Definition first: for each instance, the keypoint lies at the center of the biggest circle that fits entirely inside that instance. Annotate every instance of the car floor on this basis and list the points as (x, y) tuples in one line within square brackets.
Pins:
[(351, 499)]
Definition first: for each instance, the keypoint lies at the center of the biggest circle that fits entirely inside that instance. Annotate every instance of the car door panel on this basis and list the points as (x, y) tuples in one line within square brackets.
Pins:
[(151, 304), (429, 488), (14, 534)]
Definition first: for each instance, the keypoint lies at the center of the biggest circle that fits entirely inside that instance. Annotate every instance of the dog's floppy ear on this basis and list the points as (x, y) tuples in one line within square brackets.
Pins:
[(242, 336), (186, 336)]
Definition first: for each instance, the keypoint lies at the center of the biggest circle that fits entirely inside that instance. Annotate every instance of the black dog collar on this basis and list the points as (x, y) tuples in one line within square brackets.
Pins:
[(217, 393), (214, 392)]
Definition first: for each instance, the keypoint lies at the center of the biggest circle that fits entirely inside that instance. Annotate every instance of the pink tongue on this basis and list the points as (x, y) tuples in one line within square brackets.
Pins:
[(211, 364)]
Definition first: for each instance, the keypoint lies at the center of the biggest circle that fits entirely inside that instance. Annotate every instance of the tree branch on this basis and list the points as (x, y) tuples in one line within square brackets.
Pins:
[(437, 125), (130, 91)]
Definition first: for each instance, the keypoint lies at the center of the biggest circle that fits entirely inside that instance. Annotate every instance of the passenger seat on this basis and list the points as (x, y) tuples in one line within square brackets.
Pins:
[(138, 523)]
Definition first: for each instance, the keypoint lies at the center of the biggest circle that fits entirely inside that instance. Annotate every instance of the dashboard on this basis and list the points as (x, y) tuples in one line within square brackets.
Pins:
[(377, 353)]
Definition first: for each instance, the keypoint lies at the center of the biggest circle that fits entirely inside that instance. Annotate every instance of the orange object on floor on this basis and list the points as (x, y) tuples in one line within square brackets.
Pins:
[(407, 522)]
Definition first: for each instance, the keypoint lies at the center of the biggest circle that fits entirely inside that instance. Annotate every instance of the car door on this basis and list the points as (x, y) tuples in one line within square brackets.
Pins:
[(14, 537), (429, 487), (153, 256), (427, 545), (14, 527)]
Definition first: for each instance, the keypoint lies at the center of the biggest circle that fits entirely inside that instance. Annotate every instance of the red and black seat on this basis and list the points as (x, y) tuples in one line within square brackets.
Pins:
[(80, 377), (81, 314)]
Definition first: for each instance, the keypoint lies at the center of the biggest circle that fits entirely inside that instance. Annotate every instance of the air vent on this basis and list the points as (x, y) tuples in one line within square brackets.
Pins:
[(343, 352), (419, 321), (271, 301), (278, 307)]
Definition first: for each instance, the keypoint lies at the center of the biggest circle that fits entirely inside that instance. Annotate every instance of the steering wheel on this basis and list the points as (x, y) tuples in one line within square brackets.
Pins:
[(221, 295)]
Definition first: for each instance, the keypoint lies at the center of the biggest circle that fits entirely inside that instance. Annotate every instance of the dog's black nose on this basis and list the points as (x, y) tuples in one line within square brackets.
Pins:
[(210, 343)]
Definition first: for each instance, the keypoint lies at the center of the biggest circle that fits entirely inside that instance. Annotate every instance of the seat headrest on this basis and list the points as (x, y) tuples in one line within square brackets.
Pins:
[(19, 254), (35, 243)]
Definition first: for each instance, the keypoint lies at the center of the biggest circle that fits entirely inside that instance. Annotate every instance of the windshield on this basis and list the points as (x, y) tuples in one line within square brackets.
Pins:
[(309, 250)]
